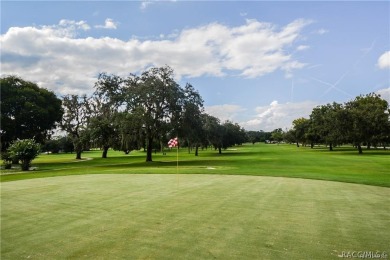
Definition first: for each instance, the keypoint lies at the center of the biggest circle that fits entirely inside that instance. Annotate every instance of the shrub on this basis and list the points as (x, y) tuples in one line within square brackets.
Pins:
[(24, 151), (7, 160)]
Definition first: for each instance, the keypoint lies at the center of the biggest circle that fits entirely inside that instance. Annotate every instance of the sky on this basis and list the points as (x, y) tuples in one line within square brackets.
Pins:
[(261, 64)]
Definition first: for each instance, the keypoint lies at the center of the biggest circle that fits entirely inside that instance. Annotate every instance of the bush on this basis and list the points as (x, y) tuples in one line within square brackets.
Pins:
[(24, 151), (7, 160)]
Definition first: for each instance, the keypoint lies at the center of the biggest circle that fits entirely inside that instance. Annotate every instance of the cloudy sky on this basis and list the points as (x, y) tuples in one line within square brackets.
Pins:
[(261, 64)]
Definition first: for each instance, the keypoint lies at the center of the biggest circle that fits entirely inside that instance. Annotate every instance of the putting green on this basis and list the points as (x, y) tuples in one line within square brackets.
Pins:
[(191, 217)]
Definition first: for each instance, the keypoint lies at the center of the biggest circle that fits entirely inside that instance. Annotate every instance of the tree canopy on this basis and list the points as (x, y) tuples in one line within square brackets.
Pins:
[(27, 111), (362, 121)]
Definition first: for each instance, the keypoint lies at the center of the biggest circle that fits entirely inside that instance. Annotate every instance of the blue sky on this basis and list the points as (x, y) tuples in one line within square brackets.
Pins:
[(258, 63)]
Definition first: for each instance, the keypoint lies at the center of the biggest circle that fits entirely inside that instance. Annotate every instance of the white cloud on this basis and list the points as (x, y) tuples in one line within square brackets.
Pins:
[(277, 115), (59, 60), (321, 31), (384, 60), (302, 47), (108, 24), (225, 112), (385, 94), (70, 24), (145, 4)]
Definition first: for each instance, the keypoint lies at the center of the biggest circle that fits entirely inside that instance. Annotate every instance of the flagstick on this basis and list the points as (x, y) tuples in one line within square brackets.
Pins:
[(177, 165), (172, 143)]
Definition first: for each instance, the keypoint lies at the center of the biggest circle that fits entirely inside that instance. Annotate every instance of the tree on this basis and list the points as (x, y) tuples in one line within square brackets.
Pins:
[(301, 127), (369, 119), (277, 135), (160, 99), (130, 132), (233, 134), (153, 104), (101, 125), (214, 131), (190, 127), (24, 151), (103, 108), (58, 144), (27, 111), (253, 136), (330, 123), (75, 120)]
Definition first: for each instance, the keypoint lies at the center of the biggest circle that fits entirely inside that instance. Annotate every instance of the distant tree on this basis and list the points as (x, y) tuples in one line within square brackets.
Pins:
[(253, 136), (160, 98), (277, 135), (27, 111), (58, 144), (330, 123), (66, 144), (51, 146), (264, 136), (104, 106), (130, 131), (75, 119), (101, 125), (301, 128), (233, 134), (190, 126), (290, 136), (369, 119), (214, 131), (25, 151)]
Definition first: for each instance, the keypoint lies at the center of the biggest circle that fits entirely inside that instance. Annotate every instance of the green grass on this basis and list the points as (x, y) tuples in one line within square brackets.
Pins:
[(141, 216), (344, 164), (215, 208)]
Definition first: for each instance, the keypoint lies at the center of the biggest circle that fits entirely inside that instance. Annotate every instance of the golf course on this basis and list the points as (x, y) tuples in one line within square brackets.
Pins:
[(262, 201)]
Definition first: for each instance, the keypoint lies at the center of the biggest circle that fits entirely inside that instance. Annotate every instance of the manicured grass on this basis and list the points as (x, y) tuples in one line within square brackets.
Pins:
[(210, 207), (186, 216), (344, 164)]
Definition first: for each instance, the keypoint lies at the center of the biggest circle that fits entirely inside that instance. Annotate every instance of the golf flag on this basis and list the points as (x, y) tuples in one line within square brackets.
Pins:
[(173, 142)]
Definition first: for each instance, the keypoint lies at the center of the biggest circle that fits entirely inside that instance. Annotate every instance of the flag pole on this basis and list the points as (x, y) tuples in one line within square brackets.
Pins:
[(172, 143), (177, 164)]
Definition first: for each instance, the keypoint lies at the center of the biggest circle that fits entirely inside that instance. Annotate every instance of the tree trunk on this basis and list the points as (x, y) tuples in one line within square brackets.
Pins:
[(149, 150), (78, 155), (360, 149), (15, 161), (297, 144), (196, 150), (25, 165), (105, 150), (330, 147), (311, 145), (219, 150), (368, 146)]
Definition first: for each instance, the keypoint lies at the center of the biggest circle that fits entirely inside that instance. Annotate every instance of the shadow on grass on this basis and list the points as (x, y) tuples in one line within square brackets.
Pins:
[(349, 150), (169, 164)]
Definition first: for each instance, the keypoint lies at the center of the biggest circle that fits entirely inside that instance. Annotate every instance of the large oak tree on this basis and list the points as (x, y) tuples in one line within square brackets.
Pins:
[(27, 111)]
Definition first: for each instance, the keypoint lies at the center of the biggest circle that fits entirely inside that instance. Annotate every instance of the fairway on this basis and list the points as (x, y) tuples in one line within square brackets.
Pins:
[(344, 164), (186, 216)]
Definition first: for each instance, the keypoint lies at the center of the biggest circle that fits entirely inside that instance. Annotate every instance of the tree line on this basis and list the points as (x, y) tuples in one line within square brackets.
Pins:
[(146, 110), (363, 121), (123, 113)]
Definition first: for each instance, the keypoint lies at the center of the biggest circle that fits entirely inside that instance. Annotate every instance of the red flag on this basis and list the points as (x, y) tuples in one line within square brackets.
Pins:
[(173, 142)]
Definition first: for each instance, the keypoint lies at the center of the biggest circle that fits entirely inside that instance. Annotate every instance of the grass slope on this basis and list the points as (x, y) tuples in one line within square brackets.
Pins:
[(344, 164), (111, 216)]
